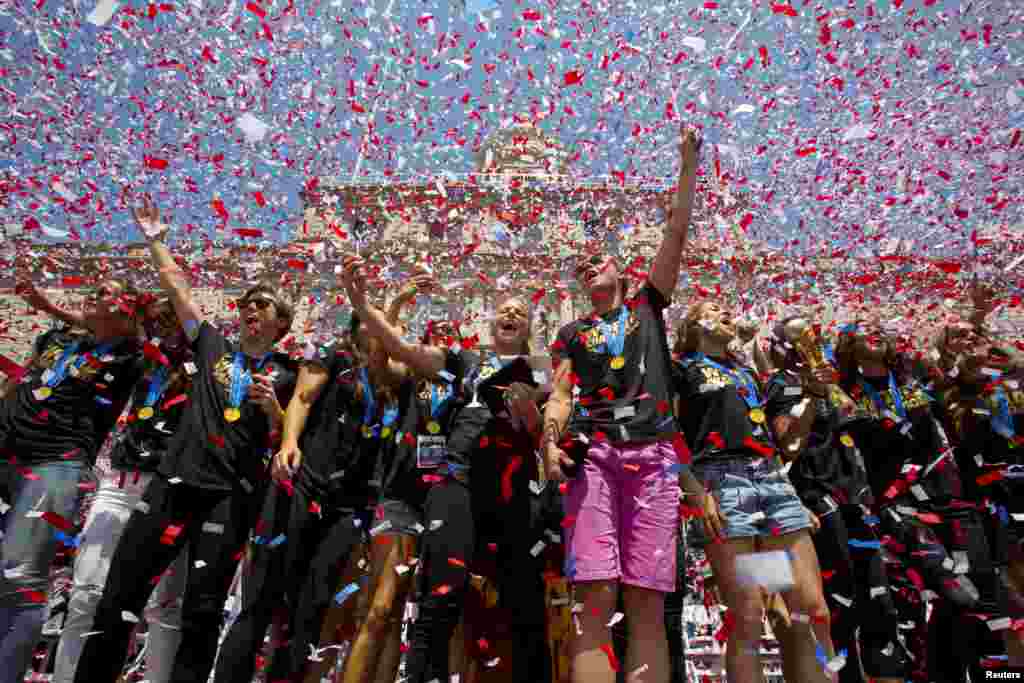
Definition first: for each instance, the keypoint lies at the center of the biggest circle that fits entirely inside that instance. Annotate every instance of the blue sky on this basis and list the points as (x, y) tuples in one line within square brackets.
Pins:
[(799, 104)]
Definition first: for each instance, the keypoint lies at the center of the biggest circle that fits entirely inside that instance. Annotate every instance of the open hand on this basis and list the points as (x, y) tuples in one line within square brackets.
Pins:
[(353, 277), (262, 393), (147, 217)]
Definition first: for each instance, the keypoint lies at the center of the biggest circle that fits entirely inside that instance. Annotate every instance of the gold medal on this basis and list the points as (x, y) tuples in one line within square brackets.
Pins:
[(232, 414), (618, 363), (385, 433), (367, 431), (846, 440), (433, 427), (145, 412), (43, 393), (756, 416)]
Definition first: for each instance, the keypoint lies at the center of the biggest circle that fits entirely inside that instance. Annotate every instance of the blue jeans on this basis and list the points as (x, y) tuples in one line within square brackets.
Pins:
[(28, 548), (754, 496)]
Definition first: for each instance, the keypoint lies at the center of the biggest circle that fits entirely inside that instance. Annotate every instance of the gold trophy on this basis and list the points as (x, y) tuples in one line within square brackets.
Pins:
[(806, 344)]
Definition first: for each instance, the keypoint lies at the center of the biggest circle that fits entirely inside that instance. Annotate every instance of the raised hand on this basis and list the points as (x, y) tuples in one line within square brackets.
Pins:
[(147, 217), (353, 277)]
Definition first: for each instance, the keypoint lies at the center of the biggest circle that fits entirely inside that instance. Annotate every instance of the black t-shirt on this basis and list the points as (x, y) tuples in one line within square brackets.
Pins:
[(150, 425), (627, 396), (982, 450), (208, 451), (70, 419), (901, 454), (714, 417), (829, 463)]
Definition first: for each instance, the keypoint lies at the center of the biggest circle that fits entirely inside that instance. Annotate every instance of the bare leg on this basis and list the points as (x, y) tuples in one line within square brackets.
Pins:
[(806, 597), (391, 654), (385, 554), (590, 663), (647, 644), (746, 605)]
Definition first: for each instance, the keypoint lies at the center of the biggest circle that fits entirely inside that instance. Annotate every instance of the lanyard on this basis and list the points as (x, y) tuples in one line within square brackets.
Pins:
[(474, 377), (157, 384), (1002, 421), (241, 378), (739, 377), (879, 402), (439, 399), (369, 401), (615, 340), (60, 369)]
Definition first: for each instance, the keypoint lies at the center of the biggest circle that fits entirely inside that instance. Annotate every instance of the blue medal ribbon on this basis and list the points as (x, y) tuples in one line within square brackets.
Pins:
[(157, 385), (1002, 421), (59, 372), (740, 378), (241, 378), (369, 400), (439, 400), (879, 402), (615, 339), (60, 369)]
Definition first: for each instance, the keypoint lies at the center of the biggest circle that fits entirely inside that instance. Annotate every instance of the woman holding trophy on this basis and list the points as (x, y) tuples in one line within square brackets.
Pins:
[(828, 472), (751, 508)]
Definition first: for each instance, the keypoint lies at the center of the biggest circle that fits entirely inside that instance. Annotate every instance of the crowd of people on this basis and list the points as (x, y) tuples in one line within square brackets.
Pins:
[(862, 498)]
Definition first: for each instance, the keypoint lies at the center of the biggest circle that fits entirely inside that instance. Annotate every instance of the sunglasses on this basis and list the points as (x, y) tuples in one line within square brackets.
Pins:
[(261, 304)]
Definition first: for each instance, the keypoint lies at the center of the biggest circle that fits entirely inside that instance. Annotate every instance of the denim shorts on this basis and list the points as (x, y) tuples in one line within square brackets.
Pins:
[(754, 497)]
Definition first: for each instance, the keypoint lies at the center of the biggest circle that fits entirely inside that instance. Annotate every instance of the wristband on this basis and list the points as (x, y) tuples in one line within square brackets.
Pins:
[(171, 269)]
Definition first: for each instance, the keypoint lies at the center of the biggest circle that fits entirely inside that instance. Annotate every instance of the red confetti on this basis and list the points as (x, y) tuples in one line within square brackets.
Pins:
[(155, 164), (573, 77), (613, 661)]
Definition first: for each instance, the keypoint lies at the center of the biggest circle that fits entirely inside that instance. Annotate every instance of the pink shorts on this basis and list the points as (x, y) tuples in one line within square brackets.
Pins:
[(625, 507)]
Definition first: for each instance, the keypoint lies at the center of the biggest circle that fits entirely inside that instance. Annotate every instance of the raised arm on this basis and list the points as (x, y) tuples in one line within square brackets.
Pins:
[(35, 298), (421, 283), (556, 418), (172, 278), (665, 271), (311, 381), (426, 361)]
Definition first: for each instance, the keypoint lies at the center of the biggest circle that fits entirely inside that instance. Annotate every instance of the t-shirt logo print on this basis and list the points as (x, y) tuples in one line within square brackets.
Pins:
[(222, 372), (86, 372), (594, 339)]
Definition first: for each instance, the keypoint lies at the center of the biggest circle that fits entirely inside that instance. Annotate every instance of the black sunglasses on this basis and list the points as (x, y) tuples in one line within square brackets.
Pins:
[(261, 304)]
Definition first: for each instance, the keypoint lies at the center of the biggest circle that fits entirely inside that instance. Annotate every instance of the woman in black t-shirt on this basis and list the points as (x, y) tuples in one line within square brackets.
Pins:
[(750, 506), (485, 500), (983, 407), (828, 474)]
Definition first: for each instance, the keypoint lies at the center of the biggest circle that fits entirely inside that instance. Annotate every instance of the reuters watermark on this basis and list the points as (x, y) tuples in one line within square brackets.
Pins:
[(1004, 676)]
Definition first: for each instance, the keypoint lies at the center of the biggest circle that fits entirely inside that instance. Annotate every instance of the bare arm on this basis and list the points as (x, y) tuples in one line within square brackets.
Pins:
[(308, 386), (311, 381), (791, 431), (35, 298), (665, 271), (559, 406), (427, 361), (173, 280)]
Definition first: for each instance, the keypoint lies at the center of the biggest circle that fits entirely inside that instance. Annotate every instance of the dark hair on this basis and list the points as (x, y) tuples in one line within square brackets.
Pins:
[(282, 302), (688, 334), (846, 360)]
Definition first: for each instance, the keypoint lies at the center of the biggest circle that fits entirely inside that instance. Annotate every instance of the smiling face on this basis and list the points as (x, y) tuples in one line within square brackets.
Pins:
[(258, 315), (103, 302), (870, 342), (511, 327), (598, 274), (716, 322)]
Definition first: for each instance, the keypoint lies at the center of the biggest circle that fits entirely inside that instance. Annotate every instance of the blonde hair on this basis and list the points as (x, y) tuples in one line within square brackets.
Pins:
[(688, 334)]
